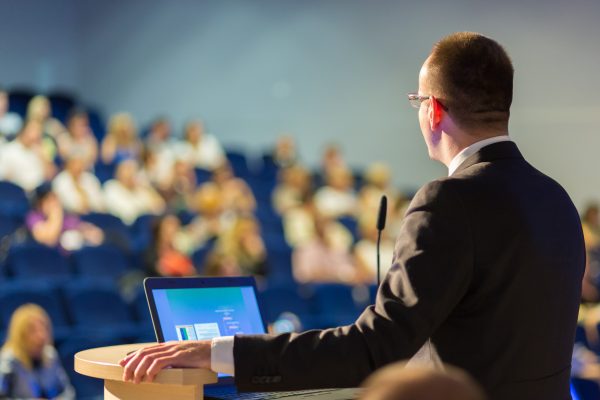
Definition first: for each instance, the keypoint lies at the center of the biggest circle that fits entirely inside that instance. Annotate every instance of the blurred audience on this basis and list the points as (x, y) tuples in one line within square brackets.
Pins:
[(243, 242), (322, 260), (23, 161), (128, 195), (50, 225), (235, 193), (332, 159), (29, 364), (212, 218), (220, 263), (121, 141), (39, 110), (377, 183), (365, 251), (78, 140), (10, 122), (337, 198), (201, 148), (285, 154), (400, 382), (295, 185), (78, 190), (163, 257)]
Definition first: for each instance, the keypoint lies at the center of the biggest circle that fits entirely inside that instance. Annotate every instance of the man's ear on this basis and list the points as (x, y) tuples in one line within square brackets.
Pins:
[(435, 113)]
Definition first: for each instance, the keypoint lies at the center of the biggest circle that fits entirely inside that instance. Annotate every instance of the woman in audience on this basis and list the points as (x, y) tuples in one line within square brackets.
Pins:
[(236, 194), (337, 198), (78, 190), (294, 185), (212, 218), (332, 159), (78, 140), (244, 243), (163, 258), (29, 364), (179, 187), (285, 154), (50, 225), (121, 141), (128, 196), (321, 260), (219, 263), (201, 148), (39, 109), (377, 183), (24, 161)]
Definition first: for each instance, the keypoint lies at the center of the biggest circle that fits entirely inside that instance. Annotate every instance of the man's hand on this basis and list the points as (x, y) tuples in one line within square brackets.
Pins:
[(144, 364)]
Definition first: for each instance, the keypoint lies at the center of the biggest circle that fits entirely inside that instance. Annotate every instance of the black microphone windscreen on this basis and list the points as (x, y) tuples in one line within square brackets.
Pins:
[(382, 213)]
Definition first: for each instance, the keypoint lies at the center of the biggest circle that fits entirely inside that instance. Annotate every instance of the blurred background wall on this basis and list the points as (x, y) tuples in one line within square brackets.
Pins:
[(325, 71)]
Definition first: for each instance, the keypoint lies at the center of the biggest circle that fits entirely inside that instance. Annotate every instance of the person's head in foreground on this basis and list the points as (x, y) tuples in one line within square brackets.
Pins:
[(397, 382)]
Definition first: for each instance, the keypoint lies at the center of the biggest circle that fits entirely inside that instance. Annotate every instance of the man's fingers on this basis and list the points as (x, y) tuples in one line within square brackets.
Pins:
[(157, 365), (132, 363)]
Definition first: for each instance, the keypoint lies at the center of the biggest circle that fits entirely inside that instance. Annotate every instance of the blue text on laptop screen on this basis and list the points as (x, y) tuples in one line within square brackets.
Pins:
[(205, 313)]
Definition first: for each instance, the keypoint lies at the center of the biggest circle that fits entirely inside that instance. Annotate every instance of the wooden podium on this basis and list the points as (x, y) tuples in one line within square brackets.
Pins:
[(170, 383)]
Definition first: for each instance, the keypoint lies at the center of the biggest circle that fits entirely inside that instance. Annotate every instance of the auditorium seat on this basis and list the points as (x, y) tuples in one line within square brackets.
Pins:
[(103, 262), (87, 388), (202, 175), (586, 389), (334, 304), (14, 294), (279, 259), (97, 309), (32, 261), (199, 257), (61, 104), (13, 200), (18, 99), (280, 299), (115, 230), (239, 163), (351, 224)]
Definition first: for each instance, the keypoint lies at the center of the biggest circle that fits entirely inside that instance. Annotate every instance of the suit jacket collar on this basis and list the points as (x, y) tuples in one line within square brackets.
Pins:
[(496, 151)]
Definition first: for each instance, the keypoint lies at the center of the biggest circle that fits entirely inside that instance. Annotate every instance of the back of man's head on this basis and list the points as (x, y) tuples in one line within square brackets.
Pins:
[(396, 382), (472, 76)]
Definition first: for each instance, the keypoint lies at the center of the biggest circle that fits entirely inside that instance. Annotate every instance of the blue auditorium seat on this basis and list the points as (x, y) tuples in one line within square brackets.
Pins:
[(269, 169), (200, 255), (115, 230), (103, 262), (239, 163), (61, 104), (279, 259), (586, 389), (97, 309), (18, 99), (9, 224), (202, 175), (351, 224), (96, 123), (14, 294), (281, 299), (334, 304), (104, 172), (87, 388), (32, 261), (13, 200)]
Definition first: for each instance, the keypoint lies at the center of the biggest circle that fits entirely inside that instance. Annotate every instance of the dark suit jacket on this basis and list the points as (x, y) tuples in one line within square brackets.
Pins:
[(495, 254)]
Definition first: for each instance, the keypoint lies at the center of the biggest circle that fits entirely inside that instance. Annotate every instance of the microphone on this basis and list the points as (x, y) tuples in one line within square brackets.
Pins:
[(380, 226)]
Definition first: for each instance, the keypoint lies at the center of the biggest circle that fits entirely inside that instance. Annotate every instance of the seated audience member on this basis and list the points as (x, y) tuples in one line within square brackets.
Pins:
[(299, 227), (401, 382), (285, 154), (10, 122), (337, 198), (78, 190), (236, 194), (161, 143), (39, 110), (332, 159), (201, 148), (163, 258), (78, 140), (377, 183), (212, 218), (320, 260), (179, 187), (128, 196), (23, 160), (365, 251), (29, 364), (585, 364), (590, 224), (121, 141), (219, 263), (50, 225), (244, 243), (294, 186)]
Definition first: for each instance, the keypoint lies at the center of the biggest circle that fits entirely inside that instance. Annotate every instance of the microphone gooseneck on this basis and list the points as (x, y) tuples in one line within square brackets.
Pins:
[(380, 226)]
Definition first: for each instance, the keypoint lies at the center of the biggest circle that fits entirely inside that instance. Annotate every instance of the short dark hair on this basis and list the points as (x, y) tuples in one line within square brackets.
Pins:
[(473, 77)]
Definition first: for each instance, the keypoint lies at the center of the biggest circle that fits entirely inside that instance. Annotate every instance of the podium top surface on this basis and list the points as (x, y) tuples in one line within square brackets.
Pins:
[(103, 363)]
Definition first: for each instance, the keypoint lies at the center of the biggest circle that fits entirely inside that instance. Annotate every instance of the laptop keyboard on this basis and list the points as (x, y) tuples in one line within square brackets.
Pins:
[(225, 394)]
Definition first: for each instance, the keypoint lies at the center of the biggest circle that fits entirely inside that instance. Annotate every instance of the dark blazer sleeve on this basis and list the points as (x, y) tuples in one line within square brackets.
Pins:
[(435, 246)]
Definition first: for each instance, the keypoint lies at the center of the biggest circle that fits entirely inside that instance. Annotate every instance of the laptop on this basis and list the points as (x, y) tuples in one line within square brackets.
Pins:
[(204, 308)]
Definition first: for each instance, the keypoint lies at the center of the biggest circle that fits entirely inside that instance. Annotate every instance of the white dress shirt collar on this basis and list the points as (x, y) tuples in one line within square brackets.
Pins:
[(472, 149)]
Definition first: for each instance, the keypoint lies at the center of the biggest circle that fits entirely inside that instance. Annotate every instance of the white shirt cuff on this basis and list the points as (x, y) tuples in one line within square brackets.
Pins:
[(221, 355)]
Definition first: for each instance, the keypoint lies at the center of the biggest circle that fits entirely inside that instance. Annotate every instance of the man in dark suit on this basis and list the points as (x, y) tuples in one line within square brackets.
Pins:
[(487, 269)]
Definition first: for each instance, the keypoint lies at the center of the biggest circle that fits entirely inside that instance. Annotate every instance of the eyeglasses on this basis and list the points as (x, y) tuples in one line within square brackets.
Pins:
[(415, 100)]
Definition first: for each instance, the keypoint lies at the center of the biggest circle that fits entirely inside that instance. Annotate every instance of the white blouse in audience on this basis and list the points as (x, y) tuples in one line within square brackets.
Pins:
[(129, 204), (80, 196), (21, 165), (335, 203), (207, 154)]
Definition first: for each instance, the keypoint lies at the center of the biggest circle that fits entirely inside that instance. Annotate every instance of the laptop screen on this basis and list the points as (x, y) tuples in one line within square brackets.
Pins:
[(203, 308)]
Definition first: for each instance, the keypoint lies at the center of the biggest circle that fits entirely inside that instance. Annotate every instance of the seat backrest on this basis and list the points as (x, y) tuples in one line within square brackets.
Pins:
[(101, 261), (93, 304), (35, 261), (13, 200)]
